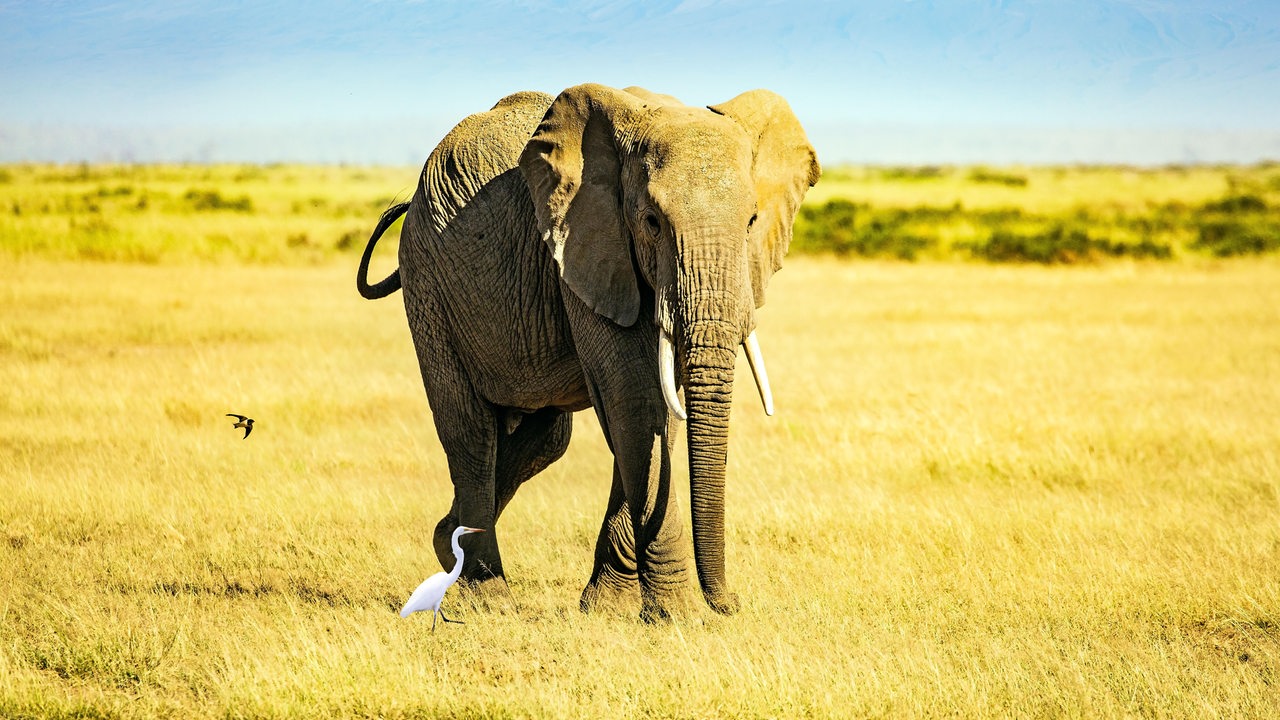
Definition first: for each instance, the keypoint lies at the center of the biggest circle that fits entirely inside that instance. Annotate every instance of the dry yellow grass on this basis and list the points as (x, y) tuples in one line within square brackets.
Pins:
[(989, 491)]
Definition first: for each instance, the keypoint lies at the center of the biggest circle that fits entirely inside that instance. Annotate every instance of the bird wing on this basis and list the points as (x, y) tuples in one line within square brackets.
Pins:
[(241, 418), (428, 595), (248, 428)]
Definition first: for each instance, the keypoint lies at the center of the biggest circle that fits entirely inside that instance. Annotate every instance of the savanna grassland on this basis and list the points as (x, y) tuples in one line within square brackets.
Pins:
[(1019, 484)]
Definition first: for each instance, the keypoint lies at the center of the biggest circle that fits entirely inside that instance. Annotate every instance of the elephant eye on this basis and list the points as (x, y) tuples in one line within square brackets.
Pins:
[(752, 222), (651, 224)]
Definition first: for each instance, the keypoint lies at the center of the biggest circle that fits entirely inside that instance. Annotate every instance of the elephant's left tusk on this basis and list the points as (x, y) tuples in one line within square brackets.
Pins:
[(667, 374), (756, 361)]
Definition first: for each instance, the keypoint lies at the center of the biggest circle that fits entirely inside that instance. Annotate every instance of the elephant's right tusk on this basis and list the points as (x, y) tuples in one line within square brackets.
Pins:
[(667, 374), (756, 361)]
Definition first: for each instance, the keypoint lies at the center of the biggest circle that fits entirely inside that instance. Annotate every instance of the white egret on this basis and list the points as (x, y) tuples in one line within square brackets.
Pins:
[(431, 591)]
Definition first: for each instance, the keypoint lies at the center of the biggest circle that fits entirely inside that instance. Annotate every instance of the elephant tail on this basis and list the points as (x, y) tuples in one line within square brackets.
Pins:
[(390, 283)]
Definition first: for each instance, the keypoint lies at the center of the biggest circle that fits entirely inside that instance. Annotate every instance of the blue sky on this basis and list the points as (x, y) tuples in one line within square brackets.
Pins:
[(887, 81)]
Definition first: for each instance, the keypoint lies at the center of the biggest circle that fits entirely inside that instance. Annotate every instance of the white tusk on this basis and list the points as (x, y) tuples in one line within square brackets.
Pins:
[(756, 361), (667, 374)]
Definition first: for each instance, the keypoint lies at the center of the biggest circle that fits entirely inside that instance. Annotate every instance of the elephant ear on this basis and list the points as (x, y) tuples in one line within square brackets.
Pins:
[(784, 167), (573, 168)]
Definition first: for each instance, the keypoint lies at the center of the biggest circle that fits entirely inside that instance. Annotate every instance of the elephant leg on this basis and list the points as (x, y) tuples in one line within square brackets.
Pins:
[(661, 550), (484, 484), (620, 366), (614, 573), (471, 451), (467, 428), (617, 569), (539, 440), (642, 537)]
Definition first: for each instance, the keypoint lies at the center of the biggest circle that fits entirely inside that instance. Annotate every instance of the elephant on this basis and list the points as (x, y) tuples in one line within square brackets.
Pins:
[(603, 248)]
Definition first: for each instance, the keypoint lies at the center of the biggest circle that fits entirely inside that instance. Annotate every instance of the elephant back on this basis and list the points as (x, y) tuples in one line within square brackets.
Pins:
[(476, 153)]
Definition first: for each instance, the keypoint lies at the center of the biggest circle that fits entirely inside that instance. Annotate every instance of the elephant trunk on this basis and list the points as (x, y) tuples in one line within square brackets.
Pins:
[(708, 312), (709, 394), (667, 373)]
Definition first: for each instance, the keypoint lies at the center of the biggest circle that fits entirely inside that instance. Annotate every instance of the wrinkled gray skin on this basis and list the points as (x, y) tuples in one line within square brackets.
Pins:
[(548, 242)]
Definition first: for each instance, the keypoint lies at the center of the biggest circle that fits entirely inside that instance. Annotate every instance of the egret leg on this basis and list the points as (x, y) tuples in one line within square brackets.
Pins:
[(446, 618)]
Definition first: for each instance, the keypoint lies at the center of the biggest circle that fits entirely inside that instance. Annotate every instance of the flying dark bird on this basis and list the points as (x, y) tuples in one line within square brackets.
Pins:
[(245, 422)]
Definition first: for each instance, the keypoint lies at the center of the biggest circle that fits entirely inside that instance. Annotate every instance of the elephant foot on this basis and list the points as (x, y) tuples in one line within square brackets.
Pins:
[(654, 614), (621, 595), (658, 608), (725, 603), (482, 560), (609, 589), (440, 540)]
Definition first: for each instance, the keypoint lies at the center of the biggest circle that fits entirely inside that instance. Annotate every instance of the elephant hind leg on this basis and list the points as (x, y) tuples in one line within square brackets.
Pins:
[(471, 468), (467, 428), (538, 440)]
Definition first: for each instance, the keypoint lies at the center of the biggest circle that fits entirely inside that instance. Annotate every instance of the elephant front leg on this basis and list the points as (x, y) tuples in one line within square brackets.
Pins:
[(661, 549), (613, 576), (642, 535), (641, 543)]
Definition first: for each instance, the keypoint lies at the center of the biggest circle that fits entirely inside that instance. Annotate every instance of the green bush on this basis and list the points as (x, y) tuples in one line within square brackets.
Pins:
[(913, 172), (1060, 245), (213, 200), (845, 228), (1240, 224), (1235, 205), (986, 175), (1228, 238), (350, 239)]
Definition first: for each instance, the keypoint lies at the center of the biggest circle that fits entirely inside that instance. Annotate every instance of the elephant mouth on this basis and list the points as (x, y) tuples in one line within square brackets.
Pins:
[(667, 373)]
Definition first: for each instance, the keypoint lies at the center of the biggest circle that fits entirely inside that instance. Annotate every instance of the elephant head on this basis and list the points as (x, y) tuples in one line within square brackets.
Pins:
[(648, 203)]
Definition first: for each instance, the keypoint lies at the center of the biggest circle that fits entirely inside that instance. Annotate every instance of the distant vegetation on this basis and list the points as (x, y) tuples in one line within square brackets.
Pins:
[(296, 214), (278, 214), (1049, 216)]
